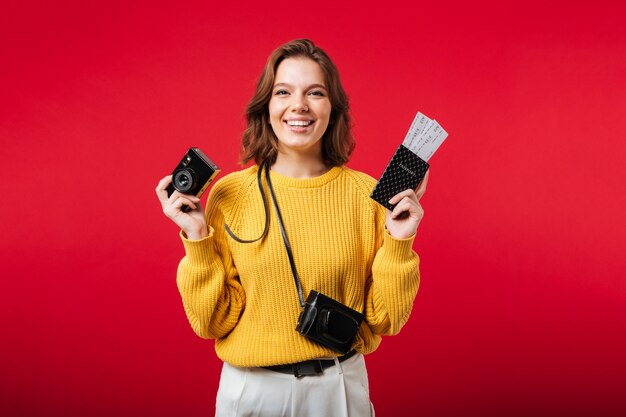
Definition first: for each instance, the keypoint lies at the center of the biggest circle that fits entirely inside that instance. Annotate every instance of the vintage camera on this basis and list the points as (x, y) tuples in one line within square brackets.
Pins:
[(193, 174), (328, 322)]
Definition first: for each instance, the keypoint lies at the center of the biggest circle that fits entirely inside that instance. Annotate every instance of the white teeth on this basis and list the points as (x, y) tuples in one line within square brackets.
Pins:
[(299, 122)]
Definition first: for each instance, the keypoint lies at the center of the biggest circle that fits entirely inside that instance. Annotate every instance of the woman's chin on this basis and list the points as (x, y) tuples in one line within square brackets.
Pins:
[(299, 144)]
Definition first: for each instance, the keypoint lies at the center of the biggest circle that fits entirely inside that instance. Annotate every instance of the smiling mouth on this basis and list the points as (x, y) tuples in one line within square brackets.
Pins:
[(299, 123)]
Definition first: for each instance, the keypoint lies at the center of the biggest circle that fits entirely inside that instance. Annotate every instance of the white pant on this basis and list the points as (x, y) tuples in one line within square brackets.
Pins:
[(342, 391)]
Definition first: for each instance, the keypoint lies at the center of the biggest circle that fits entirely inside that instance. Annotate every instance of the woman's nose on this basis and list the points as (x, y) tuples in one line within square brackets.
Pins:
[(300, 106)]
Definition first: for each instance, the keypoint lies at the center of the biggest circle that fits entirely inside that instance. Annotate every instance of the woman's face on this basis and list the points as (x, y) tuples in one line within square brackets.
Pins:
[(299, 108)]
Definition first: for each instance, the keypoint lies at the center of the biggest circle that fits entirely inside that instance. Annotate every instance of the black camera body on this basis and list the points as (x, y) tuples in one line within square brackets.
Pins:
[(193, 174), (329, 323)]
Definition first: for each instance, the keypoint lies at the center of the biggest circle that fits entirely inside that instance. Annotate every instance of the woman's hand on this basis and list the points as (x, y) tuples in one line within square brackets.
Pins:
[(402, 222), (193, 222)]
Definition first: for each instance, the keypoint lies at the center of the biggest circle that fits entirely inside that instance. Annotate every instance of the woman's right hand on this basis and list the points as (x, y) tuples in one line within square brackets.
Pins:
[(192, 223)]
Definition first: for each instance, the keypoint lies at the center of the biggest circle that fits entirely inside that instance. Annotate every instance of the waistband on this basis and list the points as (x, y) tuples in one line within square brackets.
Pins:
[(311, 367)]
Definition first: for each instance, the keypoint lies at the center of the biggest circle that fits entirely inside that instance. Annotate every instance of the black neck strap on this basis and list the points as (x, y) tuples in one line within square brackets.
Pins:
[(267, 213), (292, 263)]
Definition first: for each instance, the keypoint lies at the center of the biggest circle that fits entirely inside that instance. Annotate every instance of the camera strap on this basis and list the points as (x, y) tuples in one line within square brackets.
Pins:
[(283, 232), (265, 207)]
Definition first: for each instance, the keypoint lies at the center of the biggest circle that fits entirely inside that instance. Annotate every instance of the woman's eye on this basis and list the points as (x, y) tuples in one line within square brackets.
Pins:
[(280, 92), (317, 93)]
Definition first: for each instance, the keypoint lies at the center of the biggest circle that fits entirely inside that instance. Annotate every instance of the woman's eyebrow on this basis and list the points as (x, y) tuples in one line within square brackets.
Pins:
[(308, 88)]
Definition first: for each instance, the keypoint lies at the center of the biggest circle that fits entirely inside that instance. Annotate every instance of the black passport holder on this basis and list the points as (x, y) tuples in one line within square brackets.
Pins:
[(404, 171)]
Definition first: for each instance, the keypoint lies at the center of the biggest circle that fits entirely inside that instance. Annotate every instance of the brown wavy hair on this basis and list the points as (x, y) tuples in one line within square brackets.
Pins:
[(259, 141)]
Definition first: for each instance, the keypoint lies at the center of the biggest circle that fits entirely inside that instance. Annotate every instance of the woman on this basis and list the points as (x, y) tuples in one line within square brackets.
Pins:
[(344, 245)]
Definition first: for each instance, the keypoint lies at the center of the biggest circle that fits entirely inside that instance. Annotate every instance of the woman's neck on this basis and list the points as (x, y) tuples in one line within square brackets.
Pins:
[(295, 166)]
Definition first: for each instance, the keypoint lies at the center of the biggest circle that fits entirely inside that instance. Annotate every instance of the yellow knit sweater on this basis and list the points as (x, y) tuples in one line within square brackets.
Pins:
[(243, 294)]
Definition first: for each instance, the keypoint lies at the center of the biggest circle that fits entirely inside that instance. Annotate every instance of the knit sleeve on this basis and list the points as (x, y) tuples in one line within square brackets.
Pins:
[(393, 284), (208, 282)]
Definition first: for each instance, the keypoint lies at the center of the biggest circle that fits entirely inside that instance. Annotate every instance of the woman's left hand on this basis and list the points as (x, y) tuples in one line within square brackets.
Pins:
[(402, 222)]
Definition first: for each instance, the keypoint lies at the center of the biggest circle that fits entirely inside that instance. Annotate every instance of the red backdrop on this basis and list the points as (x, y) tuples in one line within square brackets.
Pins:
[(522, 305)]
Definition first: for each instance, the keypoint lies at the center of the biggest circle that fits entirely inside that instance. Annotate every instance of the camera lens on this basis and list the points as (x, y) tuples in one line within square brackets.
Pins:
[(183, 180)]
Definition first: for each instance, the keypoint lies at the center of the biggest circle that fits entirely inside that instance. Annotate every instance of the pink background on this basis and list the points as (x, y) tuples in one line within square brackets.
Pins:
[(522, 309)]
